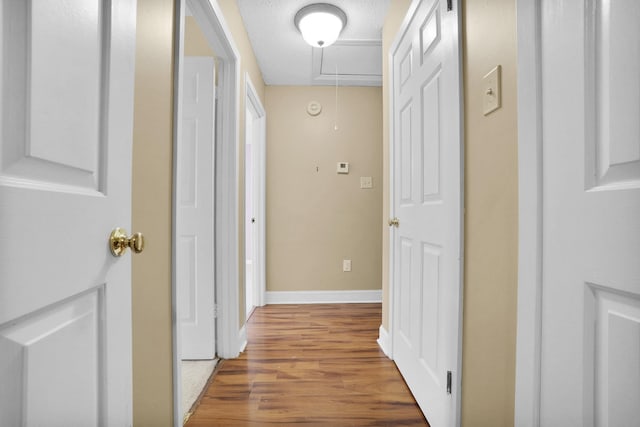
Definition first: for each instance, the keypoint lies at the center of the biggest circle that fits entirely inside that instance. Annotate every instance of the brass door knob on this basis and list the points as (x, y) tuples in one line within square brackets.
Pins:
[(394, 222), (119, 242)]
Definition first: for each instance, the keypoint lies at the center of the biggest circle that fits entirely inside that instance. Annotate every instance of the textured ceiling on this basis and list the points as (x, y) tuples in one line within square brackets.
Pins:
[(285, 59)]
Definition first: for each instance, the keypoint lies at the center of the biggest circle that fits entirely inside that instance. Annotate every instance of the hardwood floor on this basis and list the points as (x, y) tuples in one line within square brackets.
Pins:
[(311, 365)]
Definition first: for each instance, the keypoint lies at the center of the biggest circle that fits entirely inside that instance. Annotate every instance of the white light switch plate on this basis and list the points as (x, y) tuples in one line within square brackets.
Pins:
[(346, 265), (491, 88)]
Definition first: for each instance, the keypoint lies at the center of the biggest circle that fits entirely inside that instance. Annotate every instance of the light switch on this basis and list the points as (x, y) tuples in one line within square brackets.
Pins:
[(366, 182), (491, 87)]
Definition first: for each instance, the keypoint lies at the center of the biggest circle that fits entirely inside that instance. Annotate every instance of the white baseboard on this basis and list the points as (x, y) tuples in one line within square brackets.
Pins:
[(242, 338), (318, 297), (383, 341)]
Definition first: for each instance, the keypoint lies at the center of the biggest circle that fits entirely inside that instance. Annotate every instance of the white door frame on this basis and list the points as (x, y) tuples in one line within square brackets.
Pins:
[(211, 20), (529, 331), (387, 341), (260, 168)]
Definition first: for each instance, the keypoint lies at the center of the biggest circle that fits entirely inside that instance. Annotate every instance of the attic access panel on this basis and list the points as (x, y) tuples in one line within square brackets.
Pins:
[(359, 63)]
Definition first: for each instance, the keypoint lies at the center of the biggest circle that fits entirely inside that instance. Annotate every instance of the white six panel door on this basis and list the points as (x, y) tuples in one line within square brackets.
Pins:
[(65, 183), (195, 221), (426, 199), (590, 367)]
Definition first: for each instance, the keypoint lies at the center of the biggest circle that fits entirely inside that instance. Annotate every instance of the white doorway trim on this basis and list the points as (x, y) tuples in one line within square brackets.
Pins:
[(210, 19), (527, 399), (259, 175)]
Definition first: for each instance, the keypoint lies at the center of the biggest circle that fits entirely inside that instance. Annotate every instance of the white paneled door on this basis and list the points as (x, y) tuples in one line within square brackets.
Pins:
[(65, 184), (254, 180), (590, 344), (195, 210), (253, 213), (426, 200), (249, 214)]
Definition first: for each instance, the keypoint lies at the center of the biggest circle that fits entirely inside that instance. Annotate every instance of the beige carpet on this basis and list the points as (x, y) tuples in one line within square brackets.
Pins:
[(195, 374)]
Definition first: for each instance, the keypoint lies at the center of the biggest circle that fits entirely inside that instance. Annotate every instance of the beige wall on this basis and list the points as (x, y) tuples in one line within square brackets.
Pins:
[(491, 233), (395, 15), (316, 217), (249, 64), (152, 181), (490, 269), (195, 43)]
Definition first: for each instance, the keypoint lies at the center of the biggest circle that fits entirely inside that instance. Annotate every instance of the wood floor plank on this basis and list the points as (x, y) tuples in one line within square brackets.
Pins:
[(310, 365)]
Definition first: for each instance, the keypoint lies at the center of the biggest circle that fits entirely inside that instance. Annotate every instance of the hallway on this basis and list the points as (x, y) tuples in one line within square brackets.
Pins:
[(309, 364)]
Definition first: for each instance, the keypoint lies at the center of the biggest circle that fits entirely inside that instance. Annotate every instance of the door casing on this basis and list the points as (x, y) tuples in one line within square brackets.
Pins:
[(211, 20), (529, 329)]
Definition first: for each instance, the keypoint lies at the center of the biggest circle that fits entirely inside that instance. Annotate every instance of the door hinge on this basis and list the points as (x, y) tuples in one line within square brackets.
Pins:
[(215, 311), (449, 5), (448, 382)]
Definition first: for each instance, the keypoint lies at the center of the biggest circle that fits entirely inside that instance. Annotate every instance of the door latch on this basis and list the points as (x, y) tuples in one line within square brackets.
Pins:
[(448, 382)]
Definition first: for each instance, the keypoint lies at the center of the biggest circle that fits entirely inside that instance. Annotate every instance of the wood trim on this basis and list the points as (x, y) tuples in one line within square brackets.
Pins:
[(242, 338), (384, 342), (317, 297), (211, 20), (227, 184), (178, 49), (529, 332)]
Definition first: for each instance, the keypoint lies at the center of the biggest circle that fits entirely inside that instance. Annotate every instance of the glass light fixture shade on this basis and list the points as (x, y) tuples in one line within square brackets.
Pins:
[(320, 23)]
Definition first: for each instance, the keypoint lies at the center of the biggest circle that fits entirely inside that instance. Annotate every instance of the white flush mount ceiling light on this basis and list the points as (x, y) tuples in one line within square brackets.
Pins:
[(320, 23)]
